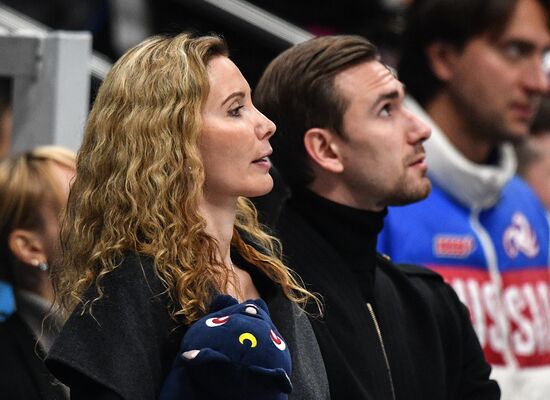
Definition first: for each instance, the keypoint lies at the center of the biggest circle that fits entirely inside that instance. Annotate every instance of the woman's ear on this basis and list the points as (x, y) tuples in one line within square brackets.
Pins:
[(323, 149), (27, 247)]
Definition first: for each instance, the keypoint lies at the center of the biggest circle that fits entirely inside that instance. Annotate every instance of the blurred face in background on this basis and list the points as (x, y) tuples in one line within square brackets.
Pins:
[(496, 84), (34, 188), (50, 212)]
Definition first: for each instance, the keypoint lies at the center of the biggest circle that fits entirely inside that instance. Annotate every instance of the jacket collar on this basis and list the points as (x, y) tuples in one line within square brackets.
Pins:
[(350, 232), (35, 312)]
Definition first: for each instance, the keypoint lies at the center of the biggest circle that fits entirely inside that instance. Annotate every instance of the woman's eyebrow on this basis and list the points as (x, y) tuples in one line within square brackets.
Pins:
[(233, 95)]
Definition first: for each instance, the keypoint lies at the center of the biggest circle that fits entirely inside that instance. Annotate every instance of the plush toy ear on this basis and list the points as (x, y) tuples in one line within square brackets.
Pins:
[(222, 301), (272, 377), (204, 356)]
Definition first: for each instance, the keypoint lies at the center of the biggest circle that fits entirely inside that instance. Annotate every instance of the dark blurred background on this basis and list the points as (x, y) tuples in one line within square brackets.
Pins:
[(118, 24)]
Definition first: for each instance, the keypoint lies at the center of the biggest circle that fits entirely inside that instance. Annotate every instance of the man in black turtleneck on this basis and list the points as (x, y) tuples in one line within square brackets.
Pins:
[(348, 149)]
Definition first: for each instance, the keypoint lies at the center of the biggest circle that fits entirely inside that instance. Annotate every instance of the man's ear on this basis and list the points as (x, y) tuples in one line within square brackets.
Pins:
[(441, 58), (323, 149), (27, 247)]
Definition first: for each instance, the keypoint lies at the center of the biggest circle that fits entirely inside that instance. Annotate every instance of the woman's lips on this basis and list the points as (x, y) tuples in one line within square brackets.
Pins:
[(262, 162)]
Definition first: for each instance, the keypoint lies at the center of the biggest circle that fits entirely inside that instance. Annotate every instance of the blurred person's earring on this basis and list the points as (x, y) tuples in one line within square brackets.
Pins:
[(42, 266)]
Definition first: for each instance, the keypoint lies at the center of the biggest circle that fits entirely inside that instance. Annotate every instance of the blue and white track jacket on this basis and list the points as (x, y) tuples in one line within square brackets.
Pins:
[(485, 231)]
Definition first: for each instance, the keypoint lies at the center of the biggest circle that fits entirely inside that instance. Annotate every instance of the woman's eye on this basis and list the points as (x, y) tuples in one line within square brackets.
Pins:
[(386, 111), (235, 112)]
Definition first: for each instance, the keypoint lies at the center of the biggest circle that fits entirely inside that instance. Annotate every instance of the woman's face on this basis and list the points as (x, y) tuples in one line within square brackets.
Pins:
[(49, 233), (234, 141)]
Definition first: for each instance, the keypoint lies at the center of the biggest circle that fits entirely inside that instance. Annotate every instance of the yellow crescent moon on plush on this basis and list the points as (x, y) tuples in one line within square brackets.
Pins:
[(250, 337)]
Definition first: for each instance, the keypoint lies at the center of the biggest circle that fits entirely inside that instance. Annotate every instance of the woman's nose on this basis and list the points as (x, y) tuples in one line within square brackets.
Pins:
[(265, 127)]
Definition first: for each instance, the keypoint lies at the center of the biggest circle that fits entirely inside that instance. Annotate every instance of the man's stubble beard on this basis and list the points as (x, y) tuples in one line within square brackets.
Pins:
[(405, 194)]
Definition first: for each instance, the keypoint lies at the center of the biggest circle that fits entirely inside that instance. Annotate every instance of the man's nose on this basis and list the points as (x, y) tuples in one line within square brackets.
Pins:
[(536, 78), (419, 131)]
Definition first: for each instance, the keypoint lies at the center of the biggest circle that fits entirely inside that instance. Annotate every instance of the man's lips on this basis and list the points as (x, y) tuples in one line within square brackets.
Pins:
[(524, 110), (417, 160)]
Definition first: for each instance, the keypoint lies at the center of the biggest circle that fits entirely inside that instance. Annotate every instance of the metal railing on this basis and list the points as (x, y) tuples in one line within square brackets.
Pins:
[(243, 13), (13, 21), (262, 21)]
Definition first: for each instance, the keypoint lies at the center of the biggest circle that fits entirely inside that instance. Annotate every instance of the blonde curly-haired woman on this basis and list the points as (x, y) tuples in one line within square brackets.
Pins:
[(157, 223)]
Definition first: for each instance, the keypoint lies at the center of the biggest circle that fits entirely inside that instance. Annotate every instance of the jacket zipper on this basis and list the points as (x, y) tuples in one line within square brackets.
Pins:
[(489, 251), (371, 311)]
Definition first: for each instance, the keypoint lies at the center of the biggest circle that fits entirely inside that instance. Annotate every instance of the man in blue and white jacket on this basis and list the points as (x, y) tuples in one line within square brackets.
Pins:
[(476, 73)]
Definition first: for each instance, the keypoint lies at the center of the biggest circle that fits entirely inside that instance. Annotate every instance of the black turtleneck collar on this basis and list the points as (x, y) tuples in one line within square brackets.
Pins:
[(352, 232)]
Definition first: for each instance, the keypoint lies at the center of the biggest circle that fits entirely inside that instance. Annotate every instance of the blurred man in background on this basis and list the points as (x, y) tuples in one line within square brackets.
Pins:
[(475, 71)]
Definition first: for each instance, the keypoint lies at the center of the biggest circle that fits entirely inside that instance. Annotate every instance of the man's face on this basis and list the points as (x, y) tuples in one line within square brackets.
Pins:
[(496, 84), (381, 143)]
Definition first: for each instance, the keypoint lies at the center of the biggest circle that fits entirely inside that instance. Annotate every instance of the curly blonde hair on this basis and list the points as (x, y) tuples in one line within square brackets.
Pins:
[(140, 180)]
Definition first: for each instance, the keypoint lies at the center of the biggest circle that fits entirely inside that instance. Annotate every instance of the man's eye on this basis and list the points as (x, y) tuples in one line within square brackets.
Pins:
[(235, 112), (516, 51), (386, 111)]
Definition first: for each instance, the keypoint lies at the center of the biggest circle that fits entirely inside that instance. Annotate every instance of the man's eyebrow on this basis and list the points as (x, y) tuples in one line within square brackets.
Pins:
[(232, 96), (392, 70), (394, 94), (525, 45)]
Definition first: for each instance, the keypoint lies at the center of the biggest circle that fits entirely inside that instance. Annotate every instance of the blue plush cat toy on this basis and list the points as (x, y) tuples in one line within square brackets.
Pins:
[(234, 353)]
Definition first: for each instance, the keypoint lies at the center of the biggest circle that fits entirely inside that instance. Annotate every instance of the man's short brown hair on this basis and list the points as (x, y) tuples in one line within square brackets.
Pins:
[(297, 92)]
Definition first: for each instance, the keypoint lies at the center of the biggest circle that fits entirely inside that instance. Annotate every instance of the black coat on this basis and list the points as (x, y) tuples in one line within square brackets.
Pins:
[(388, 332), (127, 348), (23, 375)]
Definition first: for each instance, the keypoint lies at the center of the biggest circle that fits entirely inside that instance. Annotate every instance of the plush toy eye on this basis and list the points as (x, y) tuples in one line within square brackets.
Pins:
[(277, 341), (213, 322), (251, 309)]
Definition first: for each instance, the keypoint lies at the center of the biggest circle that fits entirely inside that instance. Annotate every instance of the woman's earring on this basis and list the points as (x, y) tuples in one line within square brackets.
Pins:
[(41, 265)]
